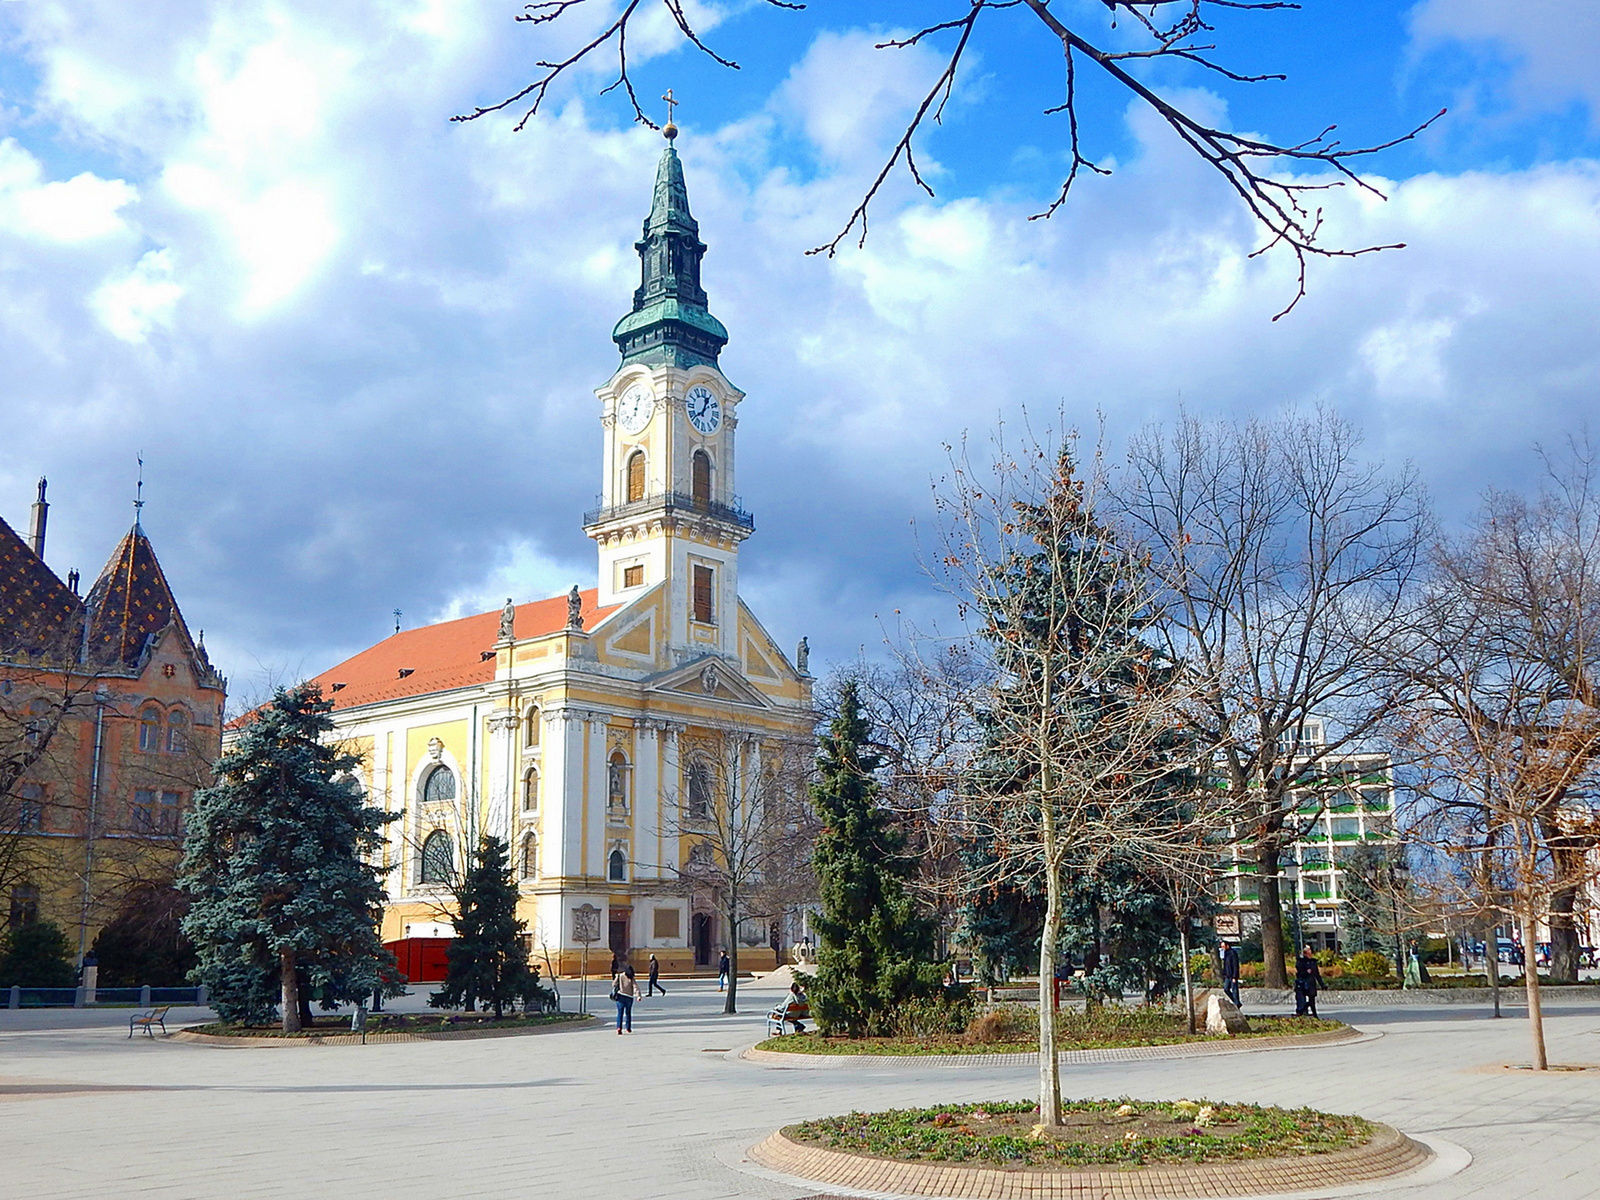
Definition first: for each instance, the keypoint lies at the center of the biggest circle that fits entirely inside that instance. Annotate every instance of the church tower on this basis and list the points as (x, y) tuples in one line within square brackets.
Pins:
[(669, 514)]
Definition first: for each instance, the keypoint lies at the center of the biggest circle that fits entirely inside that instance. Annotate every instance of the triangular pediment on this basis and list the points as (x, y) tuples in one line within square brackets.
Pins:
[(708, 678)]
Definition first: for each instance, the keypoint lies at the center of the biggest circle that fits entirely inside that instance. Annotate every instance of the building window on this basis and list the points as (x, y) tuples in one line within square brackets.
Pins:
[(617, 782), (530, 857), (144, 811), (633, 576), (169, 819), (617, 866), (636, 476), (699, 790), (667, 924), (530, 734), (177, 732), (150, 730), (24, 906), (438, 858), (700, 479), (439, 786), (30, 812), (530, 790), (38, 721), (703, 581)]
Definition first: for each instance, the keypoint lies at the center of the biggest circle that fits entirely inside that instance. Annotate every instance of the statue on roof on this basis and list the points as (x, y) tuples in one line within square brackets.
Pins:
[(574, 609), (802, 657), (508, 622)]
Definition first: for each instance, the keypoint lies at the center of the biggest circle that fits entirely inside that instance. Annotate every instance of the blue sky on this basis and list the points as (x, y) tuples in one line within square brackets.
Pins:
[(357, 343)]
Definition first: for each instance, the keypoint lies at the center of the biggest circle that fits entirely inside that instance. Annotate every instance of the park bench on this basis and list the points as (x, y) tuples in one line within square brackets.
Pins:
[(789, 1012), (148, 1020)]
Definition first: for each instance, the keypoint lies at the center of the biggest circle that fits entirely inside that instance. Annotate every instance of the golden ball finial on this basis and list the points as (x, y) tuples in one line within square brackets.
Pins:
[(669, 131)]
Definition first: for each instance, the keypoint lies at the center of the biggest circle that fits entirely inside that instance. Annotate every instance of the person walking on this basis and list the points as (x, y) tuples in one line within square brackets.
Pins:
[(1230, 973), (722, 972), (624, 990), (655, 979), (1307, 983)]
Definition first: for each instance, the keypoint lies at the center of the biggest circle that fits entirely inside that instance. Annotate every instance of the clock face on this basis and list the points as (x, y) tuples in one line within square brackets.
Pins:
[(705, 414), (635, 408)]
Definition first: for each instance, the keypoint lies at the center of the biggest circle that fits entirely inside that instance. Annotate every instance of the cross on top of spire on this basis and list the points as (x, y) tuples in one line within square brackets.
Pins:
[(669, 130)]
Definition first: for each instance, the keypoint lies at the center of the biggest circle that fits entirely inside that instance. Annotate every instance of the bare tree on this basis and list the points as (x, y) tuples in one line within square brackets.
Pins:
[(1288, 571), (1507, 733), (1080, 711), (1115, 44), (747, 827)]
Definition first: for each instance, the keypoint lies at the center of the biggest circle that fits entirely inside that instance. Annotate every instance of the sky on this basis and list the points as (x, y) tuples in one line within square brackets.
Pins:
[(356, 343)]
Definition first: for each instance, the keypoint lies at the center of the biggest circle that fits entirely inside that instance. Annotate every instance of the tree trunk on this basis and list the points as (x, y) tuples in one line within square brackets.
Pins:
[(1049, 1065), (1491, 963), (1530, 976), (291, 992), (1274, 969), (1188, 981), (1563, 934)]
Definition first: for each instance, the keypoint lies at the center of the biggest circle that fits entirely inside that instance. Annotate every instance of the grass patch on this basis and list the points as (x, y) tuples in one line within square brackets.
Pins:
[(443, 1024), (1110, 1028), (1095, 1133)]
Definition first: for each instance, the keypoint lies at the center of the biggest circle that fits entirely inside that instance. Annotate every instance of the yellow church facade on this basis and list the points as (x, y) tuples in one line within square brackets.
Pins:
[(587, 730)]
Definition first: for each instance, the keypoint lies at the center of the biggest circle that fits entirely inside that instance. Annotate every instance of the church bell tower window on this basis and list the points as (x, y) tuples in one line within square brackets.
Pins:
[(700, 479), (635, 476), (704, 583)]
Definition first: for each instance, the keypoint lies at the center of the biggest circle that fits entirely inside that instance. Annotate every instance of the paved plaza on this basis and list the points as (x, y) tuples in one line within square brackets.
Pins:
[(84, 1112)]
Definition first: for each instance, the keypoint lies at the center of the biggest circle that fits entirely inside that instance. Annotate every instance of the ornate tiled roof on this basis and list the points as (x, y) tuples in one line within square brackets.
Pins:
[(130, 603), (38, 614)]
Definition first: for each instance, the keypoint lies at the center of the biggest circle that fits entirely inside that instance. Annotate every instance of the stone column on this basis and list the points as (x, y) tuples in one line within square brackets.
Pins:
[(646, 799), (503, 723), (561, 799), (594, 850)]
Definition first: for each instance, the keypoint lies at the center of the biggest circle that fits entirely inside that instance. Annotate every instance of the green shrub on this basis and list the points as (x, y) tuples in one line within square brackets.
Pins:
[(1370, 964), (1327, 958), (36, 955), (928, 1017), (1200, 968)]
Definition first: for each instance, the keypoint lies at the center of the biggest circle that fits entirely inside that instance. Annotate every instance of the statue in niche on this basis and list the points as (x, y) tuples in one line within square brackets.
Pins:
[(508, 621), (802, 657), (574, 609)]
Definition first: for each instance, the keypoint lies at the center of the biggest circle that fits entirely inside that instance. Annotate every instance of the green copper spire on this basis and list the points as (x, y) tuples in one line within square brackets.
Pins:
[(670, 323)]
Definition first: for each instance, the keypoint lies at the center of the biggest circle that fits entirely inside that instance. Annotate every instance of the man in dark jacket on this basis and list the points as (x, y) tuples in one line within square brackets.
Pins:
[(1230, 972), (655, 979), (1307, 983)]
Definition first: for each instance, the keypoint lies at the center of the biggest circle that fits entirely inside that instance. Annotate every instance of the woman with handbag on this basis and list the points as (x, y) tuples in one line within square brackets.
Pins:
[(624, 990)]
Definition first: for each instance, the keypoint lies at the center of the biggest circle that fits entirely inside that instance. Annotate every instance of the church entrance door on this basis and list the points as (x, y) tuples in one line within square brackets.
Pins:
[(702, 939), (619, 937)]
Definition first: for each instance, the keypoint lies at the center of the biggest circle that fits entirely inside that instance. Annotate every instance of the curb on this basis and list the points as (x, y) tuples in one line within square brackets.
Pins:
[(1349, 1035), (1389, 1156)]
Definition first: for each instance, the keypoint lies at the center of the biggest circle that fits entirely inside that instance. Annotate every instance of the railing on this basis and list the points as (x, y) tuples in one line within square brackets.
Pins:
[(143, 997), (730, 514)]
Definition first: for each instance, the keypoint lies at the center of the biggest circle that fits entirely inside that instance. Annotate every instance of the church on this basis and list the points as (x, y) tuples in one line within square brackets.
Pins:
[(594, 732)]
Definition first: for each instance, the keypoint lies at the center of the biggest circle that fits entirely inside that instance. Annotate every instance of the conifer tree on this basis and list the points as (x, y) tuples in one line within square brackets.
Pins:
[(488, 961), (875, 948), (276, 861)]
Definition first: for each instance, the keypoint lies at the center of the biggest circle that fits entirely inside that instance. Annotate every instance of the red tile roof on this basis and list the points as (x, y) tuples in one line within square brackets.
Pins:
[(444, 656), (37, 612)]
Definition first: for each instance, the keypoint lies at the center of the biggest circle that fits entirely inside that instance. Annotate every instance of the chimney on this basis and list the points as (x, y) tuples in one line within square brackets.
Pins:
[(41, 514)]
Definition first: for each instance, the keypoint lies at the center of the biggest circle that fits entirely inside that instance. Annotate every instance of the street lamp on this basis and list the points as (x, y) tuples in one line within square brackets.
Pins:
[(1291, 875), (1399, 877)]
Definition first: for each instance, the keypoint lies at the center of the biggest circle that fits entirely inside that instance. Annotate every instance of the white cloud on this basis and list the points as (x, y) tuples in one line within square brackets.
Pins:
[(68, 212), (1554, 44), (134, 304)]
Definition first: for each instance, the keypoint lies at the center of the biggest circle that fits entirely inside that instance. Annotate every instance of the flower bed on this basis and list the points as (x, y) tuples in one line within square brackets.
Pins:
[(1095, 1133), (1110, 1029), (420, 1024)]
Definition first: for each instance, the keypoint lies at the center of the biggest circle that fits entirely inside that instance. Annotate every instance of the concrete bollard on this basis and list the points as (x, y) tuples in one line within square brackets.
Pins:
[(16, 997), (91, 981), (144, 996), (202, 995), (77, 997)]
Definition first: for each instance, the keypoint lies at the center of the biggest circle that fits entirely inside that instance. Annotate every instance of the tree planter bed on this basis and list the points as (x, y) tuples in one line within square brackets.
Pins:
[(1142, 1150), (340, 1035)]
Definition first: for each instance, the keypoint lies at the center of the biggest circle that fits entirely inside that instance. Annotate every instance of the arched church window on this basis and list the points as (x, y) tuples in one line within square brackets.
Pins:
[(700, 479), (530, 736), (530, 790), (439, 786), (177, 732), (636, 476), (530, 857), (617, 781), (150, 730), (617, 866), (699, 789), (438, 858)]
